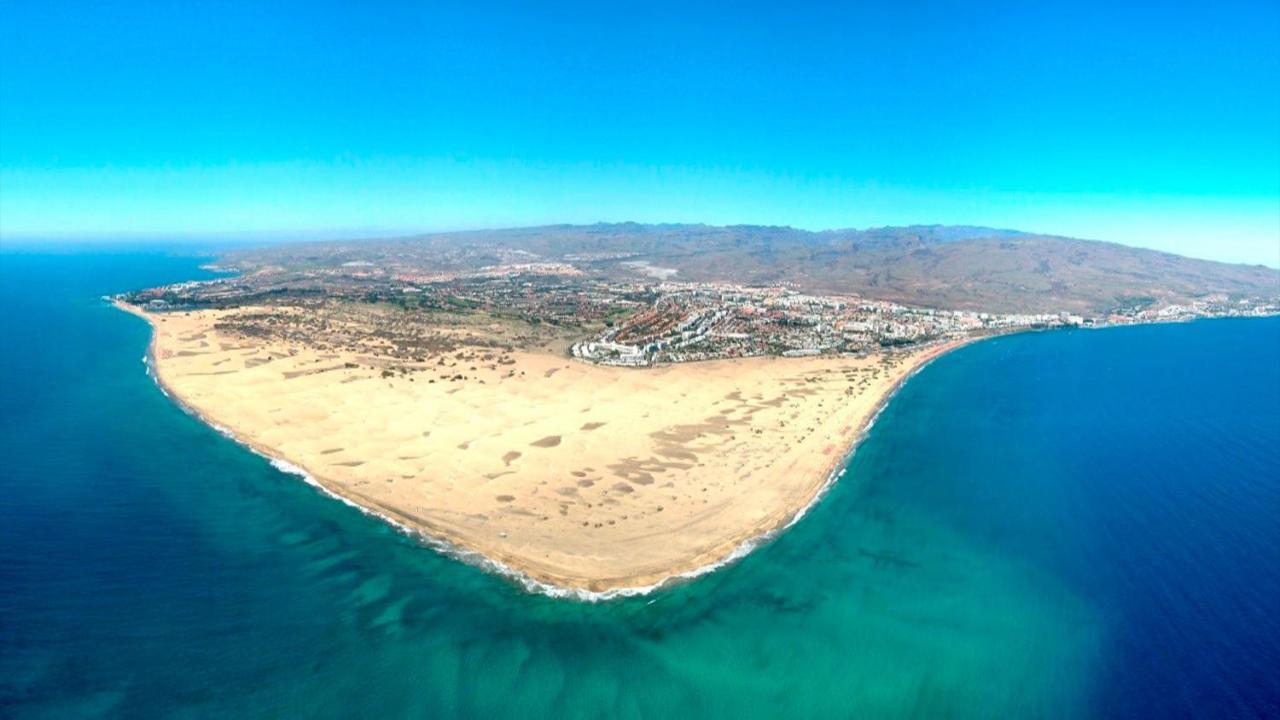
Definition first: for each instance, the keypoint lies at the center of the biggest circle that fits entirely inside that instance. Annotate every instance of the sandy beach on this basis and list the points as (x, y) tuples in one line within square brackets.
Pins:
[(573, 475)]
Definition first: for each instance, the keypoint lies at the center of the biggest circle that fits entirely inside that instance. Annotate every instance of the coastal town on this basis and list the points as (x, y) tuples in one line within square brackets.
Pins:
[(562, 417), (691, 322), (652, 321)]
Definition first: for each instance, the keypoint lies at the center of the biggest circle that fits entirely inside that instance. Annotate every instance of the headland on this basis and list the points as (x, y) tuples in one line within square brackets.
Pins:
[(574, 477), (596, 410)]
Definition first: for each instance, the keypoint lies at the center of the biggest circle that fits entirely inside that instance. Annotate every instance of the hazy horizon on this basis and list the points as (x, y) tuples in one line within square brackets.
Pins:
[(214, 241)]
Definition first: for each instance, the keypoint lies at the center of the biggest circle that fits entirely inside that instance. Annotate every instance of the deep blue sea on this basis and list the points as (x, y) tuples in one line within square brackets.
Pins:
[(1066, 524)]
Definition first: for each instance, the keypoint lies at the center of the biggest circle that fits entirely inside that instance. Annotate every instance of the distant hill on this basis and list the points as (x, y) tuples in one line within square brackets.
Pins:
[(958, 267)]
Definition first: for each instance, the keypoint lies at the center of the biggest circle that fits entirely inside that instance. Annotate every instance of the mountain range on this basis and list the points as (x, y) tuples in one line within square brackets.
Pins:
[(953, 267)]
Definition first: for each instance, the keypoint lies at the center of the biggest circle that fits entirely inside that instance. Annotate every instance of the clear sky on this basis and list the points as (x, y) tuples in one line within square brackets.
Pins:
[(1151, 124)]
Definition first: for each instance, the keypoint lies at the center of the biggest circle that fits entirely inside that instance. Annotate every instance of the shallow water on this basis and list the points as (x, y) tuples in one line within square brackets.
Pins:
[(1068, 524)]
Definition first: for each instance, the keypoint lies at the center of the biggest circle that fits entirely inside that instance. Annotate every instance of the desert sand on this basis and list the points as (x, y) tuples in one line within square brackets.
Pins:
[(575, 476)]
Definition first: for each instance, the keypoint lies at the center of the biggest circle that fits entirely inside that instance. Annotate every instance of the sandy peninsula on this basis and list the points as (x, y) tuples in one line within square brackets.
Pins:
[(573, 475)]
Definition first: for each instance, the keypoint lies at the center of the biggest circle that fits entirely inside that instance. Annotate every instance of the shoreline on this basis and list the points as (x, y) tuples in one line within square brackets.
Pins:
[(494, 560)]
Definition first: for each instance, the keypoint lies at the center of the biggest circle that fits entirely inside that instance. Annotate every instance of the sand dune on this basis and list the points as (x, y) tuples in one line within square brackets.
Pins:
[(576, 475)]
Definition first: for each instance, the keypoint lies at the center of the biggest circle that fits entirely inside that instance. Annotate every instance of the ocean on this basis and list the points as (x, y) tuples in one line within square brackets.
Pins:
[(1069, 524)]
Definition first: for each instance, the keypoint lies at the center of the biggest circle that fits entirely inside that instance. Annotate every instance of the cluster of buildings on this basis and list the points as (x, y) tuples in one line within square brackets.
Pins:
[(690, 322), (641, 323), (1210, 306)]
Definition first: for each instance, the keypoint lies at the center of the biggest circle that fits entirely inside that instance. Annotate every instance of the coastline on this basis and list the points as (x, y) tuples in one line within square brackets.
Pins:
[(494, 559)]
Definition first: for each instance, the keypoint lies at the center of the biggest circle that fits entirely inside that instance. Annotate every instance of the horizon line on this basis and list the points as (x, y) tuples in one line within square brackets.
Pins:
[(357, 234)]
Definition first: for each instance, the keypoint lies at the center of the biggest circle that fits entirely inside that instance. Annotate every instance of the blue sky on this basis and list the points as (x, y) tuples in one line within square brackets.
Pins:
[(1154, 125)]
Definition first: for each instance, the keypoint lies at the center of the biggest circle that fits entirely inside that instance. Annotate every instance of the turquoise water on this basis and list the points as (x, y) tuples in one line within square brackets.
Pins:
[(1071, 524)]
